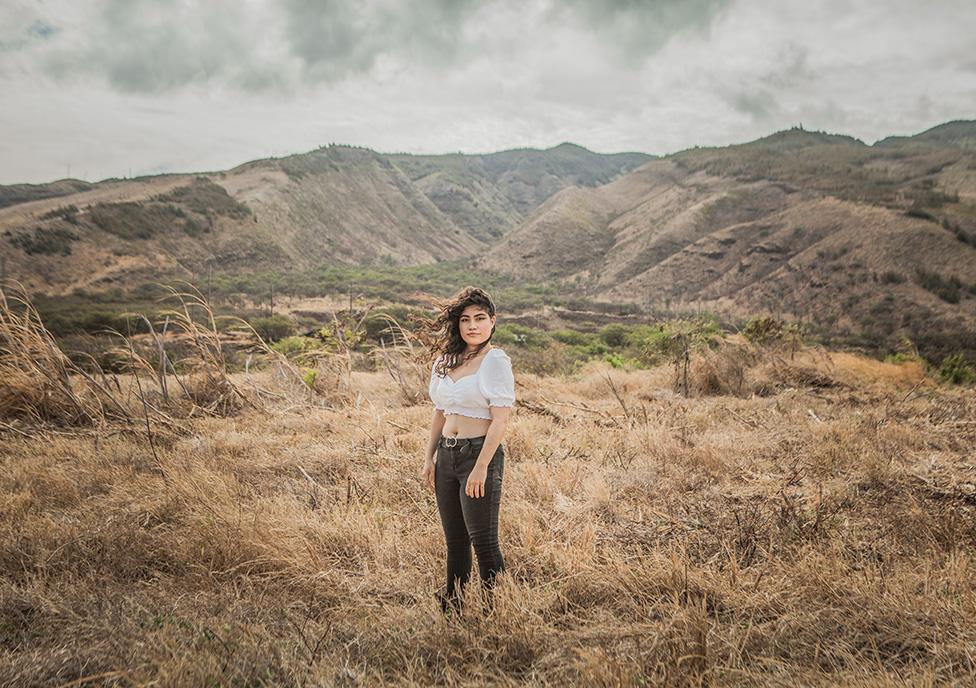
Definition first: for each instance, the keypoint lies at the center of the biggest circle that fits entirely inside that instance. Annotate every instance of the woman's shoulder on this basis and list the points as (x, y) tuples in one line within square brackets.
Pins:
[(497, 351)]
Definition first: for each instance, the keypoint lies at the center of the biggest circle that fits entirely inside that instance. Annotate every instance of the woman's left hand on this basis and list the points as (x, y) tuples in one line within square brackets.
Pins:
[(475, 486)]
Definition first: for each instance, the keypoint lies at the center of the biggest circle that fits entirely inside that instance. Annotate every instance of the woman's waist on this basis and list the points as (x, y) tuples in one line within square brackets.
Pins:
[(457, 440), (468, 413)]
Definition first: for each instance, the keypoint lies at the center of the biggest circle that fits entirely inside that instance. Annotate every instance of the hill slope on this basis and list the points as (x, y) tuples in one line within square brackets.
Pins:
[(868, 241), (336, 204)]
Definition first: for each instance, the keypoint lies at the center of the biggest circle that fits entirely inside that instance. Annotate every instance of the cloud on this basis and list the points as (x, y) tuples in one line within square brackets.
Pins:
[(20, 29), (156, 46), (338, 38), (755, 94), (113, 86), (636, 29)]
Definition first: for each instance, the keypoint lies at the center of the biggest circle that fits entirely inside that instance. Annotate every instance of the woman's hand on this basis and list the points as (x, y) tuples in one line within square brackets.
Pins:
[(427, 473), (475, 487)]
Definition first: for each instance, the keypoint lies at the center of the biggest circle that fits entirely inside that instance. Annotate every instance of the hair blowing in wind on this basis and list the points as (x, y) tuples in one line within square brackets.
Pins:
[(442, 333)]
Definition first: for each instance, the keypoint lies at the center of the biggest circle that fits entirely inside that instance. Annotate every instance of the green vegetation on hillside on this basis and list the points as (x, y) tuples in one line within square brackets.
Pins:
[(898, 177), (45, 241), (191, 209)]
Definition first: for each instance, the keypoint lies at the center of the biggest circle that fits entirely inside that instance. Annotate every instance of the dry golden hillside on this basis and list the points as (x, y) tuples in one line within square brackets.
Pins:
[(333, 205), (788, 522)]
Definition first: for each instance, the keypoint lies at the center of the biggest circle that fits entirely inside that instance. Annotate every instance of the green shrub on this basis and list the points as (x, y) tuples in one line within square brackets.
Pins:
[(573, 337), (890, 277), (273, 328), (520, 335), (45, 241), (920, 214), (295, 345), (956, 370), (614, 335), (946, 289), (130, 220), (204, 197), (767, 331), (68, 213)]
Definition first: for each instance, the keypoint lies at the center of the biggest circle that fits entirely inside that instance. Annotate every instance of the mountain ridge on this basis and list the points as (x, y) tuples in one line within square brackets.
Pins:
[(872, 239)]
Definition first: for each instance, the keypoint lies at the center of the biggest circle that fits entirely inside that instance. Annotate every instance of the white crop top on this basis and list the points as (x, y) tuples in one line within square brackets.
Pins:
[(493, 384)]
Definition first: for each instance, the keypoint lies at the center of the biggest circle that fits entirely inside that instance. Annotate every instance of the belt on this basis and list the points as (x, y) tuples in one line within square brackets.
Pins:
[(450, 441)]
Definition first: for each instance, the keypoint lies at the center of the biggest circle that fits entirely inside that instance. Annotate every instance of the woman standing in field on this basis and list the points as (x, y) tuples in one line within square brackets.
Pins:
[(473, 390)]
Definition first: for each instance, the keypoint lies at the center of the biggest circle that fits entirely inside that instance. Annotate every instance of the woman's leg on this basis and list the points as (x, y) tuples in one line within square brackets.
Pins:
[(446, 484), (481, 518)]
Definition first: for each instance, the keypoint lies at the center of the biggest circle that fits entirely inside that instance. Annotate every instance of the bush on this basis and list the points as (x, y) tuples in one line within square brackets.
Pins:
[(130, 220), (48, 242), (900, 357), (573, 337), (946, 289), (68, 213), (293, 346), (890, 277), (956, 370), (614, 335), (520, 335), (767, 331), (273, 328), (920, 214), (205, 197)]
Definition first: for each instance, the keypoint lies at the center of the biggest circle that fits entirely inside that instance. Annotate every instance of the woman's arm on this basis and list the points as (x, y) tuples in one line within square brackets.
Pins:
[(475, 486), (427, 470), (496, 431), (436, 428)]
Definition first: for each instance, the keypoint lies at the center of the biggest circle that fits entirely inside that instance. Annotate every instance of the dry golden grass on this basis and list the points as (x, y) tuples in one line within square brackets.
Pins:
[(822, 534)]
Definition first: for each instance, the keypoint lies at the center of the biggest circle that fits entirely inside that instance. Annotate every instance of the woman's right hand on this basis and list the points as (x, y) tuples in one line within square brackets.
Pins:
[(427, 474)]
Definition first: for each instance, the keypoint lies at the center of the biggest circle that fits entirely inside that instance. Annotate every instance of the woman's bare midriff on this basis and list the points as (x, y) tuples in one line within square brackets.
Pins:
[(460, 426), (464, 426)]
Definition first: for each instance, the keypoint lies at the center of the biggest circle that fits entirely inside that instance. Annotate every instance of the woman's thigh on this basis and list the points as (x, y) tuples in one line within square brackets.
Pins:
[(446, 485), (481, 513)]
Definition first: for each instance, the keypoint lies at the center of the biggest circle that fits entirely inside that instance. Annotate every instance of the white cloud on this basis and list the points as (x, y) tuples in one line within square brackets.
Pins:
[(186, 85)]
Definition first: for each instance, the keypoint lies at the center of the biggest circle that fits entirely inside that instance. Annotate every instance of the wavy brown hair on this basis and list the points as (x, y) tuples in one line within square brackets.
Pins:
[(442, 334)]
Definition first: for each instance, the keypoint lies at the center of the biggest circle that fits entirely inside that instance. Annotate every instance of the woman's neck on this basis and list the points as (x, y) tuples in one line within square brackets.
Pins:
[(471, 349)]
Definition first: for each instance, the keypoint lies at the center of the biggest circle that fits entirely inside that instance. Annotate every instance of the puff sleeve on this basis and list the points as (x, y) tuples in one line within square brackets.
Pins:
[(432, 387), (498, 383)]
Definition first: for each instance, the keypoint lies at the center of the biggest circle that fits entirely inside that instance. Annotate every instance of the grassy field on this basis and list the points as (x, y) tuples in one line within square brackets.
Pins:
[(804, 521)]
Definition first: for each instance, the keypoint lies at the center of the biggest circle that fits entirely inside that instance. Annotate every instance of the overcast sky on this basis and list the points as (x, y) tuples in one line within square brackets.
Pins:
[(102, 88)]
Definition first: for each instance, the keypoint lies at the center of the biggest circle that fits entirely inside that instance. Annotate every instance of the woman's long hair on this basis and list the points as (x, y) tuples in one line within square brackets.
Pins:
[(442, 334)]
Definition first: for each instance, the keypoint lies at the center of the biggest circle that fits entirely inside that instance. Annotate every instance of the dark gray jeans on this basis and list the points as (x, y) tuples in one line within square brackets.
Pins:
[(468, 520)]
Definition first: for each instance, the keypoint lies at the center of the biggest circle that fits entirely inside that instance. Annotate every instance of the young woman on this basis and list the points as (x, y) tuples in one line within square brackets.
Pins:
[(473, 390)]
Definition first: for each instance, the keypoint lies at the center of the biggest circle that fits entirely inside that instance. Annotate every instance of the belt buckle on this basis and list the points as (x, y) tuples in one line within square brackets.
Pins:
[(448, 439)]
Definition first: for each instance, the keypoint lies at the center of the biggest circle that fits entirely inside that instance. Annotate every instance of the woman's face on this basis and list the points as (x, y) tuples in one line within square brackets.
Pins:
[(475, 325)]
